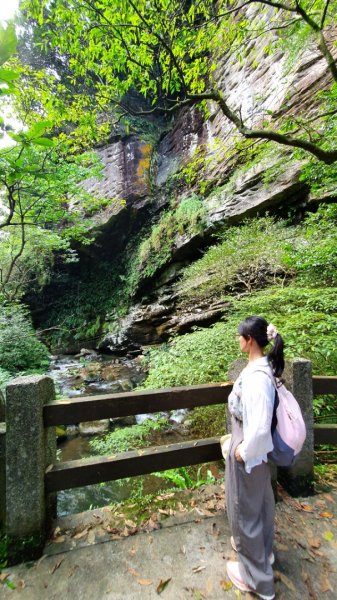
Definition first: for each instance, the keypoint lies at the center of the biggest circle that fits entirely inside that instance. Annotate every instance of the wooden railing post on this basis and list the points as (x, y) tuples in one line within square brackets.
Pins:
[(29, 449)]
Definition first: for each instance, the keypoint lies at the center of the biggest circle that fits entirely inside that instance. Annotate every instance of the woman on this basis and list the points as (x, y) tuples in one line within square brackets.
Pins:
[(249, 495)]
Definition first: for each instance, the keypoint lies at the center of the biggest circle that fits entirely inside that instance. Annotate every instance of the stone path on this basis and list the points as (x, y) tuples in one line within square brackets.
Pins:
[(178, 553)]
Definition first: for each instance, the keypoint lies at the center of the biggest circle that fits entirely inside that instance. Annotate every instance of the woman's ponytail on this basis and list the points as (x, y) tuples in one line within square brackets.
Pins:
[(276, 356)]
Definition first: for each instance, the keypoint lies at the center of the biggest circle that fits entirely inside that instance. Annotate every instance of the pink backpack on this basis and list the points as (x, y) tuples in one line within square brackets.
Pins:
[(288, 428)]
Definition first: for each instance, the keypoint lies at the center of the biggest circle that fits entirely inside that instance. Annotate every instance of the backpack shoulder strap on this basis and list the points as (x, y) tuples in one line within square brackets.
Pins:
[(276, 384)]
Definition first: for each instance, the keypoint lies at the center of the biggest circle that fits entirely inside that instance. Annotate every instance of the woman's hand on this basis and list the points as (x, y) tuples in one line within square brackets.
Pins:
[(237, 454)]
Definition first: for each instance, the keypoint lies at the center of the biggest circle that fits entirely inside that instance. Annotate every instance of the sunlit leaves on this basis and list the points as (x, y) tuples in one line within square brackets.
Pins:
[(7, 42), (168, 52), (43, 207)]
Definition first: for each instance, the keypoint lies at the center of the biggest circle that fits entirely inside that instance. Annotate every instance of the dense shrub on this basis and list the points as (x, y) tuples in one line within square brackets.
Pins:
[(20, 350), (249, 257)]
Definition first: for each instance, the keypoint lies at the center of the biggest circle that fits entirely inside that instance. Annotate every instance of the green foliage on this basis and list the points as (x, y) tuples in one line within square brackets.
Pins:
[(322, 178), (194, 172), (95, 298), (305, 317), (188, 218), (20, 350), (162, 51), (8, 76), (5, 376), (314, 255), (239, 262), (41, 191), (199, 357), (207, 421), (3, 550), (325, 409), (128, 438), (182, 479)]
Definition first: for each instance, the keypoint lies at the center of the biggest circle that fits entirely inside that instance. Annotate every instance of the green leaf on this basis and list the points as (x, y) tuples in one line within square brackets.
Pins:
[(8, 75), (46, 142), (7, 42), (39, 127)]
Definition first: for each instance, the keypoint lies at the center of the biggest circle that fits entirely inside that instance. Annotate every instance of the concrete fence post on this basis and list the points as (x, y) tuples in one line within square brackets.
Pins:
[(2, 475), (29, 449), (2, 461), (297, 479)]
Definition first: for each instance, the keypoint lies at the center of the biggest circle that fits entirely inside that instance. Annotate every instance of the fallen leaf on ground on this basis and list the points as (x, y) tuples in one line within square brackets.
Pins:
[(151, 524), (328, 536), (204, 513), (287, 582), (126, 532), (325, 585), (162, 585), (145, 581), (282, 547), (130, 523), (226, 585), (81, 534), (3, 576), (57, 565), (56, 532), (326, 514), (314, 542), (112, 530), (59, 539), (133, 572), (307, 507), (133, 551), (72, 570), (198, 569), (308, 582)]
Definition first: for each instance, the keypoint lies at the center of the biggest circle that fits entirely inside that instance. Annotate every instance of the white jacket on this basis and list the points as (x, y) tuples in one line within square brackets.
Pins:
[(258, 395)]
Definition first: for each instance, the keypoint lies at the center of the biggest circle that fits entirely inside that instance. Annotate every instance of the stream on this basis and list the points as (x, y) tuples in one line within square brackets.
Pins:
[(93, 374)]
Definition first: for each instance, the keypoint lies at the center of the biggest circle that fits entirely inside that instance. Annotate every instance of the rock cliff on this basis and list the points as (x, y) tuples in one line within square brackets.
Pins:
[(142, 174)]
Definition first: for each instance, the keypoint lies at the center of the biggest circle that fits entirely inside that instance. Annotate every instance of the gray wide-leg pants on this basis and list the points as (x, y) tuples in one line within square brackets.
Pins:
[(250, 509)]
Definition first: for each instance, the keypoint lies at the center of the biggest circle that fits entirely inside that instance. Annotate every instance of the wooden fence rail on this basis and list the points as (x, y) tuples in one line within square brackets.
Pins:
[(33, 475), (79, 473), (92, 408)]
